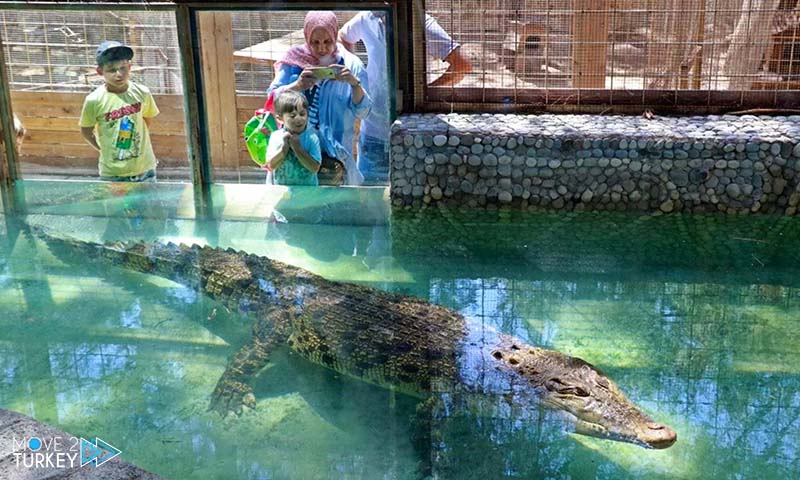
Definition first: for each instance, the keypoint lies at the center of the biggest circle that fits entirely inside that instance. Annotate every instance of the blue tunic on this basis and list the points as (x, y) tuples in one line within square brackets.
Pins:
[(337, 112)]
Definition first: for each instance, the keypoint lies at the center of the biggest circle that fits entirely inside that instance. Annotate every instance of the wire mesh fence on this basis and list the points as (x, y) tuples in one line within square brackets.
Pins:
[(515, 46), (50, 50), (700, 44), (522, 46), (54, 51)]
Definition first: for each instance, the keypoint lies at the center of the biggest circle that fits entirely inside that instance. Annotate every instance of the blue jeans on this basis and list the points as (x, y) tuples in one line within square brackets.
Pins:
[(148, 176), (373, 158)]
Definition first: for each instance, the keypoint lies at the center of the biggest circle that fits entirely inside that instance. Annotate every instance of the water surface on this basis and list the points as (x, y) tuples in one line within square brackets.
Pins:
[(696, 318)]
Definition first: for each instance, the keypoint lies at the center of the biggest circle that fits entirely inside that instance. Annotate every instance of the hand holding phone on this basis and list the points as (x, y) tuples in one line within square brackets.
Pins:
[(323, 73)]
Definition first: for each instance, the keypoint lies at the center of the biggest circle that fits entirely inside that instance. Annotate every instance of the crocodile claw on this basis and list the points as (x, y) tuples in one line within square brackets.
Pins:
[(231, 396)]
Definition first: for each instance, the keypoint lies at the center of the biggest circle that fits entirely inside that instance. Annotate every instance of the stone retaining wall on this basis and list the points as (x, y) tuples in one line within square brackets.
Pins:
[(584, 162)]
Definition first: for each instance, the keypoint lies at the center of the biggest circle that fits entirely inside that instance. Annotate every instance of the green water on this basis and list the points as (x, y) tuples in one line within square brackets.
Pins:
[(696, 318)]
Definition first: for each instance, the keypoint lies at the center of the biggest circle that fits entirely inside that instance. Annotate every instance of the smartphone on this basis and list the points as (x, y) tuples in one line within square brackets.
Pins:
[(324, 72)]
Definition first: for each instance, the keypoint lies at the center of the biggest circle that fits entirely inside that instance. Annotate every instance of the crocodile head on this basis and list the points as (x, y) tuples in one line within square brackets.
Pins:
[(592, 401)]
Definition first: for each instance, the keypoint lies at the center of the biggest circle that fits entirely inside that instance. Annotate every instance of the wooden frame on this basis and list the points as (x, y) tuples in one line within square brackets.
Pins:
[(8, 170)]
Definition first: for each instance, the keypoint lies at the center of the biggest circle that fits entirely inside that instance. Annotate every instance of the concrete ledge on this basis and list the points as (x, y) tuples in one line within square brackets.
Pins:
[(597, 162)]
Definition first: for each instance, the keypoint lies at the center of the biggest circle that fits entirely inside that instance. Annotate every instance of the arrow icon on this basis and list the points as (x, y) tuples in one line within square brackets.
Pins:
[(89, 451), (109, 452), (97, 451)]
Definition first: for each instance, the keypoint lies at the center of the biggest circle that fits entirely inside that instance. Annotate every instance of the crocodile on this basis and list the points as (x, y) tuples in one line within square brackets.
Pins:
[(392, 340)]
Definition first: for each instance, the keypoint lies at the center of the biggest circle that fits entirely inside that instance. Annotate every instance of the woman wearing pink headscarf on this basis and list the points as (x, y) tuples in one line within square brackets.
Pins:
[(334, 103)]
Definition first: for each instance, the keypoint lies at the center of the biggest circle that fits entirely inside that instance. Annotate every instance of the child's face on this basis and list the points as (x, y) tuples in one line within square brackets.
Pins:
[(296, 120), (116, 74)]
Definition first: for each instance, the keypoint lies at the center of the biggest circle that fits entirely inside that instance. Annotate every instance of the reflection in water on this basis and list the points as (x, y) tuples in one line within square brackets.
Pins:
[(131, 317), (83, 375), (699, 334)]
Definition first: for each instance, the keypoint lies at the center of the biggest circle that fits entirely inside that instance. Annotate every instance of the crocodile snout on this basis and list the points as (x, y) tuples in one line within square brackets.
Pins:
[(658, 436)]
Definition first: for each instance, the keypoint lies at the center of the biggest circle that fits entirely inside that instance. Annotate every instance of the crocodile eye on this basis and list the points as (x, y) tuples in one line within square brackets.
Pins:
[(578, 391), (556, 385), (603, 383), (570, 390)]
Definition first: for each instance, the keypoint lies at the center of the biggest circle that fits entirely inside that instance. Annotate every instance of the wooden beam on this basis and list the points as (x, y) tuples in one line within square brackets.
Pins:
[(590, 43), (226, 84), (53, 137), (219, 86), (8, 161), (206, 22)]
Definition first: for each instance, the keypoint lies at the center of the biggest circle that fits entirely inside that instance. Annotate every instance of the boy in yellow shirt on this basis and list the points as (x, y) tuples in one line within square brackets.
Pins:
[(116, 116)]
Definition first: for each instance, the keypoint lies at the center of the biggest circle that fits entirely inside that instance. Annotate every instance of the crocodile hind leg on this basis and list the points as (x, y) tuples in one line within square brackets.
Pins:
[(234, 390)]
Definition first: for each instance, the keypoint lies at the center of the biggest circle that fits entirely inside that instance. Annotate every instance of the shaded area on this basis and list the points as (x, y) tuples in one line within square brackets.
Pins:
[(718, 248)]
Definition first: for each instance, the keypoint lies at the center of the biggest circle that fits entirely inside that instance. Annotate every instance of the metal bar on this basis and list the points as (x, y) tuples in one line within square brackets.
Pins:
[(85, 5), (391, 66), (402, 43), (418, 62), (199, 161), (283, 5)]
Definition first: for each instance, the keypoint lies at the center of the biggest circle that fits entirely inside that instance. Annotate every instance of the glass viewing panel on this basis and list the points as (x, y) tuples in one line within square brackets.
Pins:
[(239, 52), (52, 68)]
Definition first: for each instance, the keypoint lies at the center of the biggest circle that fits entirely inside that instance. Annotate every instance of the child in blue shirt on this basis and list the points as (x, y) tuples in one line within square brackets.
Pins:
[(293, 153)]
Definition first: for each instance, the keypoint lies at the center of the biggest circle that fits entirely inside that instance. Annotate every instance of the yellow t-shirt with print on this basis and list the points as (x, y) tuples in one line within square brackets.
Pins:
[(123, 137)]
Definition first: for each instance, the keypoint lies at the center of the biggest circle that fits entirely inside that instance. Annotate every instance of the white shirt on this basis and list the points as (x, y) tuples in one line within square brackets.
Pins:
[(371, 29)]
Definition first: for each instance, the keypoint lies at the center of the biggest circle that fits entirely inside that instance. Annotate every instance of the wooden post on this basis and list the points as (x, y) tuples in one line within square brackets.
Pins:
[(683, 79), (8, 162), (589, 43), (699, 39), (417, 60), (219, 87)]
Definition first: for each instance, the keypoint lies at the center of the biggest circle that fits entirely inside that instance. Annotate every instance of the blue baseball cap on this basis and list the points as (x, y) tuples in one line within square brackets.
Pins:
[(112, 50)]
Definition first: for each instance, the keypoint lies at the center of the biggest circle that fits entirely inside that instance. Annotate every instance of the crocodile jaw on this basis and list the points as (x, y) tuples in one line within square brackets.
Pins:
[(593, 402), (649, 434)]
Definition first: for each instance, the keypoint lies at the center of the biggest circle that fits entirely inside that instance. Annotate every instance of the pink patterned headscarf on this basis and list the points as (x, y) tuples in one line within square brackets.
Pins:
[(301, 55)]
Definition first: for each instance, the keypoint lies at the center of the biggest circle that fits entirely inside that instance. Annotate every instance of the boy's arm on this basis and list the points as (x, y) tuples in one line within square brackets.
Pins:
[(87, 123), (150, 110), (310, 159), (276, 154), (88, 135)]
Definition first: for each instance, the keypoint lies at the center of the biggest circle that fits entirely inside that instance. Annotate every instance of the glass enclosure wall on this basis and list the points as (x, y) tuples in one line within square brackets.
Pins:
[(52, 69), (239, 52)]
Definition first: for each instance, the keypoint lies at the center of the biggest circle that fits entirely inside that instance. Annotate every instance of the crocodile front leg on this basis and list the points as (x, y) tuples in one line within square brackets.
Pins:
[(234, 390)]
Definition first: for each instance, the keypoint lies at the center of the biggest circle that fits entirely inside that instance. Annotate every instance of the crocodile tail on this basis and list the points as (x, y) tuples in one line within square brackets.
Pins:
[(175, 262)]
